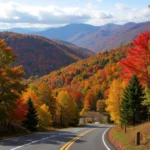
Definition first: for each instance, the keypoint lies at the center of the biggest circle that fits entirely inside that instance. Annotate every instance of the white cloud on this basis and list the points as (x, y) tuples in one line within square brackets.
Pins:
[(99, 1), (120, 6), (18, 15), (15, 13)]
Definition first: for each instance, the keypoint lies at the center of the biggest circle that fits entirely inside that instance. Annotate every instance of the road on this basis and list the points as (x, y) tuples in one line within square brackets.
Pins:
[(91, 137)]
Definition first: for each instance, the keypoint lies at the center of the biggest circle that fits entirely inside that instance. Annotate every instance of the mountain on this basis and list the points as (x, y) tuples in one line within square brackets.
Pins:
[(64, 42), (69, 31), (93, 74), (39, 55), (24, 30), (108, 37), (97, 38), (89, 52)]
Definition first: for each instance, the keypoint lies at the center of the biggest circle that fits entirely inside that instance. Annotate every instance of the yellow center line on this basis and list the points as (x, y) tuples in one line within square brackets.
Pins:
[(70, 143)]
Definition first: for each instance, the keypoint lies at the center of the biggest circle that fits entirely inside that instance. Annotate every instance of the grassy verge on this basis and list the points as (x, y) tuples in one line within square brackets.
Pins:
[(127, 141)]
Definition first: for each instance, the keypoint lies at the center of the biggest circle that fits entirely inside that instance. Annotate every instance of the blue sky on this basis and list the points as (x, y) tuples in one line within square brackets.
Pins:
[(46, 13), (103, 4)]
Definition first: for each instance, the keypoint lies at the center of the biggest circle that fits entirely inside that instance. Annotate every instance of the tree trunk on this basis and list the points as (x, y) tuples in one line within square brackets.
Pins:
[(121, 126), (125, 129)]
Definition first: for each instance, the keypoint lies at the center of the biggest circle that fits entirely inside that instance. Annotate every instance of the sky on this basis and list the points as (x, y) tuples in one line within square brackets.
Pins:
[(54, 13)]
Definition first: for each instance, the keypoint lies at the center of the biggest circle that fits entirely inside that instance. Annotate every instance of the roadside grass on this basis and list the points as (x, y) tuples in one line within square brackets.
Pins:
[(128, 140), (7, 133)]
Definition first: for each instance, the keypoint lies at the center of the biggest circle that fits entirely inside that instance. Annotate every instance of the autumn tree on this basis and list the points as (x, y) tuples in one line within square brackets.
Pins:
[(100, 106), (11, 81), (44, 116), (90, 101), (146, 101), (31, 119), (45, 97), (17, 114), (67, 110), (83, 114), (138, 59), (97, 92), (77, 97), (6, 56), (31, 94), (11, 86), (132, 110), (114, 99)]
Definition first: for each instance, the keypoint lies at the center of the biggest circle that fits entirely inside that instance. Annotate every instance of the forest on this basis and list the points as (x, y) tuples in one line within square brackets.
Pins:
[(115, 83), (39, 55)]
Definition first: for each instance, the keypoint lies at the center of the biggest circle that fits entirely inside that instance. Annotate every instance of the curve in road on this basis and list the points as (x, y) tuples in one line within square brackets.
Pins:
[(91, 137)]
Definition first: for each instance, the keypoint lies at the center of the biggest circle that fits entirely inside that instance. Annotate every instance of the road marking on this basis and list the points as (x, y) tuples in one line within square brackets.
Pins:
[(70, 143), (33, 142), (103, 138)]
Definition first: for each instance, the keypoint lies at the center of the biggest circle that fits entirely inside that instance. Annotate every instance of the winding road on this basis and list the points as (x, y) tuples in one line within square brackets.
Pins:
[(91, 137)]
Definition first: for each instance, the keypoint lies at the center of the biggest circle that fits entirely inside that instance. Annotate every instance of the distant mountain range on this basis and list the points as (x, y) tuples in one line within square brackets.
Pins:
[(39, 55), (24, 30), (95, 38)]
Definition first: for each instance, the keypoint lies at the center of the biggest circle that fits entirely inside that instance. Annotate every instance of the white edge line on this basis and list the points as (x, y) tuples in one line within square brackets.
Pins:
[(33, 142), (12, 138), (103, 138)]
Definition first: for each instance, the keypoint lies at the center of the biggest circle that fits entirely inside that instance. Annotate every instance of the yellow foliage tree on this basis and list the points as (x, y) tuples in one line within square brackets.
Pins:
[(45, 97), (114, 99), (67, 109), (45, 118)]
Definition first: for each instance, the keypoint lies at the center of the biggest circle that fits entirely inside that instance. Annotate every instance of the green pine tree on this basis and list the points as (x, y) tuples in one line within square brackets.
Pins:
[(132, 110), (31, 120)]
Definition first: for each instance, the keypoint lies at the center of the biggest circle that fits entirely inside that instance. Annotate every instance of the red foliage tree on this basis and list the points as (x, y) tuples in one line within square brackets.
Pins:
[(19, 112), (138, 59)]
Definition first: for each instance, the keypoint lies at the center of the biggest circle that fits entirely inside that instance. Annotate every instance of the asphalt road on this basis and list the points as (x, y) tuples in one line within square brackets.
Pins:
[(91, 137)]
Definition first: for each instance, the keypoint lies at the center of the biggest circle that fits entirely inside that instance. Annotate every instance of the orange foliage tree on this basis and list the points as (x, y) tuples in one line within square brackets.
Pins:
[(90, 101)]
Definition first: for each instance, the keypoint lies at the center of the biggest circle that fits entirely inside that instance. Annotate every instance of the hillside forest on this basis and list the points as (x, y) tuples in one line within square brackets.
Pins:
[(114, 83)]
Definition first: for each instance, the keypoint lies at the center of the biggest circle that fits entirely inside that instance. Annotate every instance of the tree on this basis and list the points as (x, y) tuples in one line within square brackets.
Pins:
[(67, 110), (31, 119), (114, 100), (45, 97), (100, 106), (146, 101), (97, 92), (138, 60), (18, 113), (77, 97), (83, 114), (6, 56), (132, 110), (32, 95), (90, 101), (11, 82), (45, 118), (11, 85), (75, 120)]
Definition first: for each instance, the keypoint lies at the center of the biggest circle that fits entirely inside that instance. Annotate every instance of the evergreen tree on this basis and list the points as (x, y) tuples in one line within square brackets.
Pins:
[(31, 120), (132, 110)]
